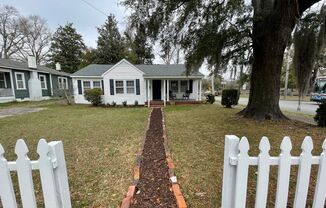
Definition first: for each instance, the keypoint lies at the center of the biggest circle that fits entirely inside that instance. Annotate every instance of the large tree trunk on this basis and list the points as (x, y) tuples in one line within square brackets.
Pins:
[(274, 20)]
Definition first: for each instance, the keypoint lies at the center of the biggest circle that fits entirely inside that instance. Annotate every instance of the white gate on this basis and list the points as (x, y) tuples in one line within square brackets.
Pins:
[(53, 174), (237, 162)]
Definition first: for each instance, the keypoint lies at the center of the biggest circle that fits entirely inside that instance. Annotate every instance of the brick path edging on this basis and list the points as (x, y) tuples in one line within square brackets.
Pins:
[(181, 203), (175, 186), (126, 202)]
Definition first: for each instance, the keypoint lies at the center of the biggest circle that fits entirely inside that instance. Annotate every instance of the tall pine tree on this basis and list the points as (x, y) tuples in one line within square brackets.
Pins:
[(110, 47), (67, 47)]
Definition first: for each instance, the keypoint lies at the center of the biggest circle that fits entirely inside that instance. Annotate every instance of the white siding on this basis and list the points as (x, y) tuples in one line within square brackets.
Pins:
[(80, 99), (124, 71)]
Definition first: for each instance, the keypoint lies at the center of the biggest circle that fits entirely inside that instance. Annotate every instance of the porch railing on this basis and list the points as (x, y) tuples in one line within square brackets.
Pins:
[(6, 92)]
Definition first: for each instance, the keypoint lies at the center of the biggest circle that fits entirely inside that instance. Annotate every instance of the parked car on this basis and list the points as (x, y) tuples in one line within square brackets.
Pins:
[(318, 97)]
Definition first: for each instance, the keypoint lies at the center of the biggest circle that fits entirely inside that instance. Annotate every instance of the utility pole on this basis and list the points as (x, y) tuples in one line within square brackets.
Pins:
[(287, 73), (213, 90)]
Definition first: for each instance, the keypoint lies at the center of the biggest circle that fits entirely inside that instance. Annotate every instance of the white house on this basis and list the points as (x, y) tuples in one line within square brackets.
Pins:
[(142, 83)]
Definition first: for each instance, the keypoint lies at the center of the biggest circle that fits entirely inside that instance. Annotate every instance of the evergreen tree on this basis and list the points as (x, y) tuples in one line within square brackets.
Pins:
[(110, 47), (67, 47), (88, 57)]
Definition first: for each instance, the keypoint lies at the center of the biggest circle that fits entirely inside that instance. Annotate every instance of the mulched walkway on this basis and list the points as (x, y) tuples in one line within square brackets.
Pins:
[(154, 187)]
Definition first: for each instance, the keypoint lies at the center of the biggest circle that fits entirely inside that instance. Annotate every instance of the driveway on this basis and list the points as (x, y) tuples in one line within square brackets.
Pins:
[(291, 106), (17, 111)]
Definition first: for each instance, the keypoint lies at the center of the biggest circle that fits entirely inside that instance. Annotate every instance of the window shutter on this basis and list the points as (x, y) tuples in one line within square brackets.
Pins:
[(102, 84), (137, 87), (111, 87), (190, 85), (80, 91)]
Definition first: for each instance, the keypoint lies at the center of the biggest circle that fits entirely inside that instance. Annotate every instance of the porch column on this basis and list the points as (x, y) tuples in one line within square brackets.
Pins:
[(12, 84), (164, 92), (148, 105), (200, 82), (168, 90)]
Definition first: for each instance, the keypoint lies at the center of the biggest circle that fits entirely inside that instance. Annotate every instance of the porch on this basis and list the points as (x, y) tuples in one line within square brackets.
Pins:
[(177, 90), (6, 86)]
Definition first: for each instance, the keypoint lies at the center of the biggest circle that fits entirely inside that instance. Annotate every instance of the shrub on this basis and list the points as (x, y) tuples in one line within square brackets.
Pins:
[(230, 97), (124, 103), (210, 98), (136, 102), (113, 103), (320, 117), (93, 96)]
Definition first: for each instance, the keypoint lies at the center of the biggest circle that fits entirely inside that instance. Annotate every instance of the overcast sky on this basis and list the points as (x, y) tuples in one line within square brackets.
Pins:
[(84, 17)]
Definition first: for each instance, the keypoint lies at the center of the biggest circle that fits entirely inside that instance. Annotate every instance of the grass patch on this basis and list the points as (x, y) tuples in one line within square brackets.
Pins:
[(100, 146), (196, 139)]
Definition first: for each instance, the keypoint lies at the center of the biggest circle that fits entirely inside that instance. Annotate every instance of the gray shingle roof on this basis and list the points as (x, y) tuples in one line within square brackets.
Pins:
[(10, 64), (92, 70), (155, 70), (164, 70)]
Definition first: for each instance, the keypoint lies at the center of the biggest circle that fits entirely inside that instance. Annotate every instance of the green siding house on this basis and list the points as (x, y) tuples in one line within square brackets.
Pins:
[(28, 81)]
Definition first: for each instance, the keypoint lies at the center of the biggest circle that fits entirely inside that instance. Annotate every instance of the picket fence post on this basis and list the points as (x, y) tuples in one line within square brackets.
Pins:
[(25, 179), (7, 193), (284, 169), (263, 173), (47, 175), (60, 173), (320, 191), (303, 177), (231, 143), (242, 174)]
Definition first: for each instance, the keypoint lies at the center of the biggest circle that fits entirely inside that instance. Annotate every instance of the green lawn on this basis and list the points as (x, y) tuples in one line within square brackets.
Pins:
[(100, 145), (196, 139)]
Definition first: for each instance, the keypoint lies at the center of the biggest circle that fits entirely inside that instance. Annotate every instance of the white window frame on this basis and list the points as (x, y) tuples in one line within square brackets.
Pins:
[(134, 87), (61, 86), (100, 87), (23, 80), (90, 85), (5, 81), (45, 81), (123, 87)]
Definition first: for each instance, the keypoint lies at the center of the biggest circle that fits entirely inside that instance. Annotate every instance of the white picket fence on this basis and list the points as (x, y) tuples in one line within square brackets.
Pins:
[(237, 162), (53, 174)]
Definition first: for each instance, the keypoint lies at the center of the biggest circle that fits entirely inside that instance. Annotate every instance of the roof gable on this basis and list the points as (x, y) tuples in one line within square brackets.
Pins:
[(119, 63)]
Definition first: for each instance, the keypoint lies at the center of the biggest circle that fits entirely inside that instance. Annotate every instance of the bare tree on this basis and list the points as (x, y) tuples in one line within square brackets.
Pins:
[(37, 38), (11, 39)]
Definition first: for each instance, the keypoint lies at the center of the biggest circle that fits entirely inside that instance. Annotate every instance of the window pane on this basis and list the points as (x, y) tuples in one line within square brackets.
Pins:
[(174, 86), (20, 84), (87, 85), (19, 77), (119, 87), (2, 80), (119, 83), (96, 84), (130, 87), (184, 86)]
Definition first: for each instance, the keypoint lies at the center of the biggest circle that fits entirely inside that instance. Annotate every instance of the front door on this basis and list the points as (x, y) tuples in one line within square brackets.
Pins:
[(156, 89)]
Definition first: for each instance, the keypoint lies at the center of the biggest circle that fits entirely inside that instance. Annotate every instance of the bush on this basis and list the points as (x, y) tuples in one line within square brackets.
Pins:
[(210, 98), (230, 97), (136, 102), (320, 117), (124, 103), (93, 96)]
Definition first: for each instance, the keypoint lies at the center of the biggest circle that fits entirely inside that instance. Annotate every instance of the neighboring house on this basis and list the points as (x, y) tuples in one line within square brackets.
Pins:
[(142, 83), (28, 81)]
